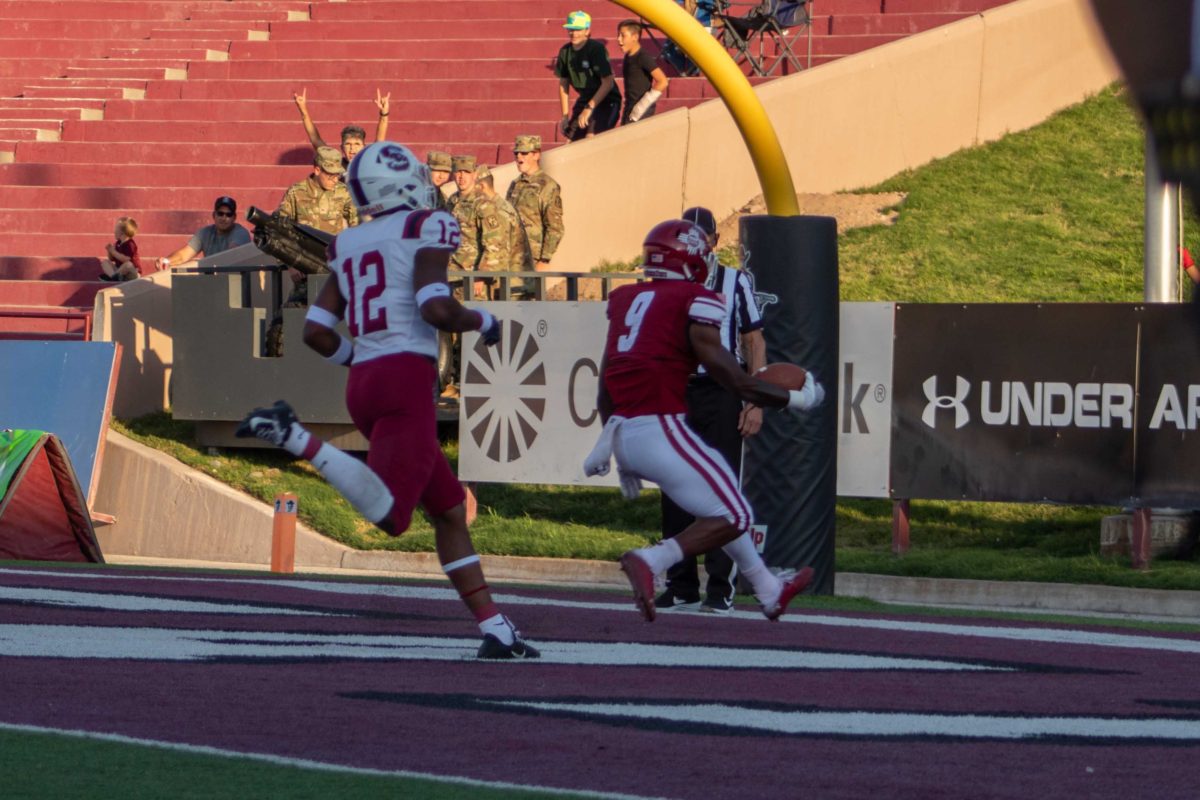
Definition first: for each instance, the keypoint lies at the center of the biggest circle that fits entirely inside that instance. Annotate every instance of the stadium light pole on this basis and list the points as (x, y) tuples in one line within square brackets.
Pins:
[(736, 92)]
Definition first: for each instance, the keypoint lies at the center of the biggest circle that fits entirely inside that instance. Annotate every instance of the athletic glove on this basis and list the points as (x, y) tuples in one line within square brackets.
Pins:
[(489, 328), (809, 397)]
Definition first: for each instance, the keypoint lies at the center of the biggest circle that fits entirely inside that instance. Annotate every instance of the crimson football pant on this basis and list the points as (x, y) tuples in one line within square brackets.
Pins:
[(390, 399), (713, 414)]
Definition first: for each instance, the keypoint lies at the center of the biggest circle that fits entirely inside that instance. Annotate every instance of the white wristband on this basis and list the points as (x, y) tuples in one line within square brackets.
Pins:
[(431, 290), (345, 352), (485, 319), (322, 316)]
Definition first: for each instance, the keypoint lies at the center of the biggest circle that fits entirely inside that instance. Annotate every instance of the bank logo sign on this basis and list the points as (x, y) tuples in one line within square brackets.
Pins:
[(504, 397)]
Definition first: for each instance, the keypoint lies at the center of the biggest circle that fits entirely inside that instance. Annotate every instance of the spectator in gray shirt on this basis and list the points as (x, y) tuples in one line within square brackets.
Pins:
[(224, 234)]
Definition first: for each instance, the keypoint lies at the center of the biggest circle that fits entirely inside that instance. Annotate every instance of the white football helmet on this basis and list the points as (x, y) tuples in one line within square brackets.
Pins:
[(386, 176)]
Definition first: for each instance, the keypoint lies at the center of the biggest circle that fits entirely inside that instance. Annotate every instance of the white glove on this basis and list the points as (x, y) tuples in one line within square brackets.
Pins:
[(631, 485), (598, 462), (643, 105), (811, 396)]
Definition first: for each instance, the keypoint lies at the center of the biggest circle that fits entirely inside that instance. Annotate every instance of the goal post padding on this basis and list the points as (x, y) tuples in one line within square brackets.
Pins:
[(790, 474)]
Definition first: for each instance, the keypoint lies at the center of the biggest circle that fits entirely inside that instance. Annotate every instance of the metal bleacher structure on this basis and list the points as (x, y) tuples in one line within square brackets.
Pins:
[(152, 108)]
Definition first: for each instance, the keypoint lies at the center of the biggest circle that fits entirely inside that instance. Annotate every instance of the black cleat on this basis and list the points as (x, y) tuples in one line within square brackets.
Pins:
[(272, 424), (493, 648), (669, 601)]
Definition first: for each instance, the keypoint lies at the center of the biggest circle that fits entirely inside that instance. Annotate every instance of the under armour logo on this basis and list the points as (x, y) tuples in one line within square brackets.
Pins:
[(955, 401)]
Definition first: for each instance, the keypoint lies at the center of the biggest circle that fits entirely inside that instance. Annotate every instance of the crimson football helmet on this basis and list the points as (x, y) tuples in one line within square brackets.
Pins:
[(679, 249)]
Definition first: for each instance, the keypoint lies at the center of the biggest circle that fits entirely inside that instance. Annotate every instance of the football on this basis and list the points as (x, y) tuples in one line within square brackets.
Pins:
[(783, 375)]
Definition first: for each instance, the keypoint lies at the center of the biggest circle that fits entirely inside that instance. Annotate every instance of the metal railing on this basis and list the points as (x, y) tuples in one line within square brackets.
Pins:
[(68, 316)]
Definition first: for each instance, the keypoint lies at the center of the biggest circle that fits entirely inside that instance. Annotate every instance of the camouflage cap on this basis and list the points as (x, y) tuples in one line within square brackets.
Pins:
[(482, 171), (438, 160), (528, 143), (329, 159), (463, 163)]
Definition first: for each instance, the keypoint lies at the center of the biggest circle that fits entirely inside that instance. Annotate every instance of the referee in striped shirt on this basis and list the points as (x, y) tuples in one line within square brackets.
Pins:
[(717, 415)]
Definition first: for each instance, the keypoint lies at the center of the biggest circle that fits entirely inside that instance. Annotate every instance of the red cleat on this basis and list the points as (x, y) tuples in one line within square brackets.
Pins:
[(791, 587), (642, 581)]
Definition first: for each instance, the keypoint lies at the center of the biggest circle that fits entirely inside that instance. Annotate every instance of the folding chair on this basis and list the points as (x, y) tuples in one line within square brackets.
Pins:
[(764, 37)]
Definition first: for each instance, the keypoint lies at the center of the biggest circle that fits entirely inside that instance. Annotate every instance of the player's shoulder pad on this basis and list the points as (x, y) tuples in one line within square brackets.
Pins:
[(432, 228)]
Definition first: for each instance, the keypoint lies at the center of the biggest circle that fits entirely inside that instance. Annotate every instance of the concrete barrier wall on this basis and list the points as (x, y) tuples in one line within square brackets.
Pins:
[(138, 316), (165, 510), (844, 125)]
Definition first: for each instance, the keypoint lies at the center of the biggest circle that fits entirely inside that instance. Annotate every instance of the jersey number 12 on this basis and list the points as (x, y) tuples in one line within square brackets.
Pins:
[(364, 309)]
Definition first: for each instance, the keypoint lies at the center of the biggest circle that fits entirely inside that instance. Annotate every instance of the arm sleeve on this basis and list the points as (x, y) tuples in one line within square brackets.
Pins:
[(196, 243), (240, 236), (707, 309), (745, 306)]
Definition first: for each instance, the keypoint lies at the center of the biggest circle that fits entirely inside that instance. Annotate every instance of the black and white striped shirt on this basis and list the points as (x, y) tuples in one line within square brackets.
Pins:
[(741, 310)]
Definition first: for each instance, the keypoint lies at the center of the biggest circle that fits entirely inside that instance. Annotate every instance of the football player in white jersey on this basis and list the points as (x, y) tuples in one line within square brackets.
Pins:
[(389, 285)]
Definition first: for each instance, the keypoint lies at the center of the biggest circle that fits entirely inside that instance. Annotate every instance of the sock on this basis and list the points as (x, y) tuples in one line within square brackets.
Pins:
[(765, 585), (297, 440), (499, 626), (661, 556), (357, 482)]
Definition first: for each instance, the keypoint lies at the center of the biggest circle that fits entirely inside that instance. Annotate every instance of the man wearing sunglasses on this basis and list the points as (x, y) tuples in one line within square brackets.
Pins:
[(224, 234)]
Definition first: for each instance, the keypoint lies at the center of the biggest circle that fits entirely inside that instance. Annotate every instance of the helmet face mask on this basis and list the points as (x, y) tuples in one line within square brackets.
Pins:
[(679, 250), (385, 177)]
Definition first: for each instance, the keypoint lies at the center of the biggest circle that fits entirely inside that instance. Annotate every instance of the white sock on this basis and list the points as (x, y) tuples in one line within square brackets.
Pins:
[(661, 556), (297, 440), (765, 585), (357, 482), (499, 627)]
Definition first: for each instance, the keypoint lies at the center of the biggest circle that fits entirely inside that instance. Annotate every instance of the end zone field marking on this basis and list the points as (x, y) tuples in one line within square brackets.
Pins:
[(1025, 632)]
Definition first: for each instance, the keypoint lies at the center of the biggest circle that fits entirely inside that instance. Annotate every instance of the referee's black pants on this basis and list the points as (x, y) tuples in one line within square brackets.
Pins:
[(713, 414)]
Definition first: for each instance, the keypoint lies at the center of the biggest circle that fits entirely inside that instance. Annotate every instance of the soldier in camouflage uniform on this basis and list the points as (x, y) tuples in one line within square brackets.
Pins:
[(440, 166), (503, 246), (535, 196), (320, 201), (462, 205)]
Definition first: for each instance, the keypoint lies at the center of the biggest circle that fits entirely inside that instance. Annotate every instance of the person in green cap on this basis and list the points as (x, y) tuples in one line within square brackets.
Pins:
[(583, 65)]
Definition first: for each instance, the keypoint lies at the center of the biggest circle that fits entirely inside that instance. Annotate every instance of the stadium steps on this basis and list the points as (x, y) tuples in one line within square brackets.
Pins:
[(193, 100)]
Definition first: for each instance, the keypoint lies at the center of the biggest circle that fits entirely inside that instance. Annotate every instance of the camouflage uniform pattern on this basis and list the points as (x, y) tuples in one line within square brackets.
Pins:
[(463, 209), (502, 242), (309, 204), (538, 202)]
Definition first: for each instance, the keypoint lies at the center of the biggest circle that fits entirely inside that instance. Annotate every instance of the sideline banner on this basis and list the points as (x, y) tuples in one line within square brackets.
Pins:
[(528, 409), (527, 412), (1016, 402)]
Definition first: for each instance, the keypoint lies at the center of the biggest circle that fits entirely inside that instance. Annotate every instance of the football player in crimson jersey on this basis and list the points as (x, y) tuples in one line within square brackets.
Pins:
[(658, 332), (390, 287)]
